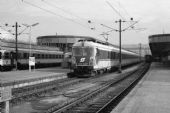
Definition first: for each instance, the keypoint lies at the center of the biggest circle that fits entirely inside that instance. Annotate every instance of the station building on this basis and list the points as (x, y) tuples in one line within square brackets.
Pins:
[(160, 47), (63, 42)]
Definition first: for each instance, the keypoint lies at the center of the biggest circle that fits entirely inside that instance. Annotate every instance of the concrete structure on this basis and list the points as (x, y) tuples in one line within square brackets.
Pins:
[(160, 47), (64, 42), (17, 79), (151, 95)]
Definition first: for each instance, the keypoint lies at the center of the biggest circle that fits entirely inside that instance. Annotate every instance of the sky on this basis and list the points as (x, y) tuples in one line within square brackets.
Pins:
[(84, 18)]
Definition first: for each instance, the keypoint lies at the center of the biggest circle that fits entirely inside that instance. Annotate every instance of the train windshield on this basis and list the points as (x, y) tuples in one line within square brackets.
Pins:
[(83, 51)]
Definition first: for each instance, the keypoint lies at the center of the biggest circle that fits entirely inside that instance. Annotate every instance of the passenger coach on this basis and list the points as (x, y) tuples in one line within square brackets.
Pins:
[(44, 56)]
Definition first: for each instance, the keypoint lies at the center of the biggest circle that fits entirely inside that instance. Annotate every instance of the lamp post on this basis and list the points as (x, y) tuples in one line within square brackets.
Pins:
[(30, 26), (16, 41)]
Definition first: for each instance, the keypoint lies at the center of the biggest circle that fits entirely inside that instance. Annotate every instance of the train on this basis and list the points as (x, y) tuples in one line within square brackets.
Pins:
[(91, 57), (148, 58), (44, 56)]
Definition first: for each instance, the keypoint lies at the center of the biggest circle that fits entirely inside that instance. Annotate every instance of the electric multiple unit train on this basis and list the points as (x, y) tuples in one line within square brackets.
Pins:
[(44, 56), (92, 56)]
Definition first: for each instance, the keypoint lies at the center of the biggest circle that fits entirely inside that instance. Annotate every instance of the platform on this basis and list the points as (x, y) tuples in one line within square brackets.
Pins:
[(151, 95), (16, 79)]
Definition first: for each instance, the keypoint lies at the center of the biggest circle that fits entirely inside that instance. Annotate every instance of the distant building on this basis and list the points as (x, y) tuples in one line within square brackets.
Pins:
[(142, 49), (160, 47), (64, 42)]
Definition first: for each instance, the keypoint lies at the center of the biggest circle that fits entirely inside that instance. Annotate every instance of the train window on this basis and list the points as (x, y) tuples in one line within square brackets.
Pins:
[(113, 55), (42, 56), (116, 55), (88, 51), (77, 51), (46, 56), (7, 56), (19, 55), (56, 56), (59, 56), (98, 52), (53, 56), (38, 56), (25, 55), (0, 55)]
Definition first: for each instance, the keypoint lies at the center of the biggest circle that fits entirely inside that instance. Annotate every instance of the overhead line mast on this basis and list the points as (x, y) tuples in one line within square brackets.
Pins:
[(120, 33)]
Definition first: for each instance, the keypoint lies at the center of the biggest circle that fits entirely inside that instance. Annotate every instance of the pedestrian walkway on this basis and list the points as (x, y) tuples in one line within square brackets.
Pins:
[(17, 79), (151, 95)]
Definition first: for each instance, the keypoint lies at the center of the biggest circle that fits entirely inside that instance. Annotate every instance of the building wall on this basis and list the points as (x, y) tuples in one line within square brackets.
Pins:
[(64, 42)]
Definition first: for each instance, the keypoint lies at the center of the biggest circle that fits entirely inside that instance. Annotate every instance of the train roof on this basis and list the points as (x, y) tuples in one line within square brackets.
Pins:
[(105, 46), (62, 36), (11, 45)]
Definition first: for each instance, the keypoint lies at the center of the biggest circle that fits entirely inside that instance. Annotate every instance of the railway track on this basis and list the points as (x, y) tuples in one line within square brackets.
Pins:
[(35, 91), (103, 98), (29, 93)]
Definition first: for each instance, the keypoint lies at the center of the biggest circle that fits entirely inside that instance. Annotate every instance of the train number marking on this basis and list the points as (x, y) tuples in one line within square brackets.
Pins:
[(82, 59)]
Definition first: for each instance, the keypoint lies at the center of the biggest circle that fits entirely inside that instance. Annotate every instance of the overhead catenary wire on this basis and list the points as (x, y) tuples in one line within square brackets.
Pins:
[(65, 11), (115, 10), (73, 15), (123, 8), (58, 15), (53, 13)]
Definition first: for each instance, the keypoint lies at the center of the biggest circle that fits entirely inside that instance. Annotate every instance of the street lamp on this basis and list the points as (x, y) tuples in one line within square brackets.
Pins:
[(30, 26)]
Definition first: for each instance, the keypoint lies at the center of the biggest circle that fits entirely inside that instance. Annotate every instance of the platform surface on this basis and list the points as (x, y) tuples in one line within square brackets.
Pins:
[(23, 75), (151, 95)]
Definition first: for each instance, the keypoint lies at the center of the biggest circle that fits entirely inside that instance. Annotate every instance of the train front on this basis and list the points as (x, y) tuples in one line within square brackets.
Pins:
[(83, 58)]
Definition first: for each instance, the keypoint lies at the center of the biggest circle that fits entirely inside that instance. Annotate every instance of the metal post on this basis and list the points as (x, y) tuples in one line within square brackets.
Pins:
[(7, 106), (120, 47), (30, 26), (140, 51), (16, 46), (30, 47)]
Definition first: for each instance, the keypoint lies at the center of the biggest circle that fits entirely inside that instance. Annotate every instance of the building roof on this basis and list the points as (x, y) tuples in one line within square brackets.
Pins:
[(159, 44), (62, 36), (158, 35)]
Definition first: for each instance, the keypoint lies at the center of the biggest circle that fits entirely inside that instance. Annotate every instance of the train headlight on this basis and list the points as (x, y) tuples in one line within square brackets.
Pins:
[(91, 61), (73, 60)]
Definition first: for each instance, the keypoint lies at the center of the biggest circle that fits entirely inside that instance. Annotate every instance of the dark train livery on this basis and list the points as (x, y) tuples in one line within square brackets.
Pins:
[(44, 56), (94, 56)]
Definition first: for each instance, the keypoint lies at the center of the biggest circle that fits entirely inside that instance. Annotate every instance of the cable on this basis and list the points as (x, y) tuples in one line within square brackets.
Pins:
[(125, 11), (115, 10), (53, 13), (46, 10), (68, 12)]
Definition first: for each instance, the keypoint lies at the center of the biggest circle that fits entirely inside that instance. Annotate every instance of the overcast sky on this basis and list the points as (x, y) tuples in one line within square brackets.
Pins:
[(70, 17)]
